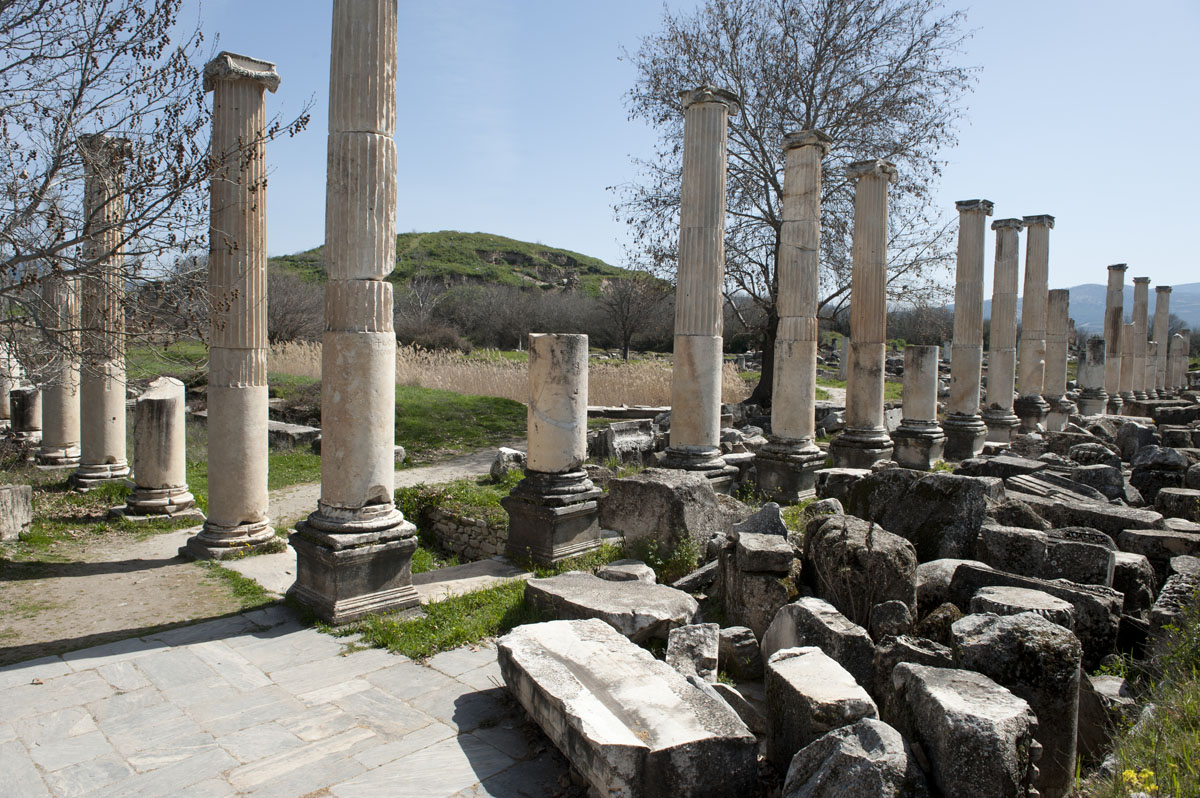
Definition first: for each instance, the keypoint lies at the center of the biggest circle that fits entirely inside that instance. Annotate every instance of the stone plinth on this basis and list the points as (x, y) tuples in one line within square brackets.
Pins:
[(60, 391), (553, 512), (353, 554), (1054, 390), (919, 441), (237, 280), (160, 451), (1162, 324), (865, 440), (1128, 334), (1141, 313), (1093, 400), (964, 426), (1114, 323), (1031, 408), (699, 301), (26, 407), (788, 463), (999, 417), (102, 455)]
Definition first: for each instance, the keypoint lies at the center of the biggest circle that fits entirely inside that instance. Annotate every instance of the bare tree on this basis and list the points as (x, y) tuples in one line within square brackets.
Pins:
[(296, 310), (879, 76), (634, 305)]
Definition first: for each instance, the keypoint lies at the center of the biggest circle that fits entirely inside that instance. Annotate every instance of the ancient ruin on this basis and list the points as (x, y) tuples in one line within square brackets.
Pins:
[(1141, 310), (1162, 323), (965, 430), (1054, 386), (1001, 421), (1031, 408), (60, 391), (160, 452), (919, 440), (1114, 325)]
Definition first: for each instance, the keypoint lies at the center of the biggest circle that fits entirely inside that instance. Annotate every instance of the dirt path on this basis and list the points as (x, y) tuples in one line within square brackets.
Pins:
[(836, 395)]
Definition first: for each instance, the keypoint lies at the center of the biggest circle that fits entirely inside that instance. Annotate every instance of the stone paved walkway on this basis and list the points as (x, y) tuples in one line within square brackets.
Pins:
[(257, 704)]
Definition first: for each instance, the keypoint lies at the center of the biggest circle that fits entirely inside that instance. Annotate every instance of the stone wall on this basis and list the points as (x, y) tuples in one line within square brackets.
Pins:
[(469, 538)]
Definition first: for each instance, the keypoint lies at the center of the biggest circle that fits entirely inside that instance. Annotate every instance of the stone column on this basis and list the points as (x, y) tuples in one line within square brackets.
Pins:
[(26, 404), (60, 392), (1114, 323), (1162, 324), (788, 463), (1127, 363), (699, 301), (1031, 408), (844, 358), (102, 386), (354, 553), (237, 282), (1093, 399), (160, 452), (1185, 359), (553, 513), (1001, 421), (1141, 313), (10, 377), (919, 440), (965, 430), (865, 440), (1177, 363), (1054, 391)]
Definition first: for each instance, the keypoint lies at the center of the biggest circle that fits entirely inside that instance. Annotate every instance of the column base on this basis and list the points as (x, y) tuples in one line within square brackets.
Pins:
[(1140, 396), (342, 577), (964, 434), (860, 448), (1092, 402), (703, 459), (787, 469), (1114, 405), (90, 475), (58, 456), (920, 444), (1001, 423), (28, 436), (1061, 410), (162, 501), (217, 542), (1032, 412), (552, 517)]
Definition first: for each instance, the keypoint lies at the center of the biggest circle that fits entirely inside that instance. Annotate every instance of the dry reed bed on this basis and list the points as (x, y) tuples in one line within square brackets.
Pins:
[(637, 383)]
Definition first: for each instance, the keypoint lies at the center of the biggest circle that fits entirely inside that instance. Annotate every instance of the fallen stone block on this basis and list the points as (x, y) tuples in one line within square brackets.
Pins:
[(905, 648), (890, 619), (667, 505), (1159, 546), (933, 582), (1013, 512), (808, 695), (1093, 454), (699, 579), (856, 565), (739, 654), (867, 759), (750, 712), (506, 461), (976, 735), (1080, 560), (1134, 435), (1177, 594), (1001, 466), (630, 724), (628, 571), (1178, 503), (1105, 704), (767, 521), (1012, 549), (1004, 600), (638, 610), (624, 442), (835, 483), (692, 650), (1108, 518), (16, 510), (752, 599), (761, 553), (281, 435), (1133, 576), (812, 621), (936, 625), (1053, 486), (1107, 479)]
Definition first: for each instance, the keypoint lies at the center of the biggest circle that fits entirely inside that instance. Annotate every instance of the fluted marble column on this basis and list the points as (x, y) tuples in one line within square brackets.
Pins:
[(865, 440), (26, 404), (354, 553), (1001, 421), (10, 377), (237, 282), (1030, 407), (1162, 324), (1141, 317), (1177, 363), (1128, 331), (919, 440), (60, 391), (1114, 324), (787, 464), (102, 386), (964, 427), (1185, 358), (699, 301), (1093, 399), (160, 452), (1054, 391)]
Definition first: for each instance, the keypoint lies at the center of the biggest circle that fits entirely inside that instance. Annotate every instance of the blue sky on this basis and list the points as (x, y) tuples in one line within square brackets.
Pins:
[(512, 121)]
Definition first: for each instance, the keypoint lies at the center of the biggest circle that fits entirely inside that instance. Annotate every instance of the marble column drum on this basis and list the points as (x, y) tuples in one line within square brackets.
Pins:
[(787, 464), (1093, 399), (102, 456), (1054, 391), (60, 390), (1177, 363), (160, 452), (964, 426), (26, 404), (1141, 318), (699, 300), (553, 513), (999, 417), (1030, 407), (1162, 324), (237, 280), (1114, 324), (919, 440), (354, 553), (10, 377), (1185, 360), (865, 440), (1128, 332)]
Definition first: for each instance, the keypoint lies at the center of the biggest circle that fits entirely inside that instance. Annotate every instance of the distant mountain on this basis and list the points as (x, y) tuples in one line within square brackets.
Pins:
[(1087, 305)]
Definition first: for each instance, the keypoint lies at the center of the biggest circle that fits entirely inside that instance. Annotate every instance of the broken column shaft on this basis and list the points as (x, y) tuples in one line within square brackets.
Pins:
[(26, 404), (1128, 332), (60, 391), (1093, 399), (1054, 391), (1114, 323), (160, 451), (964, 427), (919, 440), (1177, 363), (1141, 313), (1162, 324), (1031, 408), (999, 417)]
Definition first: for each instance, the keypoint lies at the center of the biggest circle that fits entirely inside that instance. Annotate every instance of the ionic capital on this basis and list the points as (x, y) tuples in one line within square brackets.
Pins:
[(808, 138), (1162, 289), (710, 94), (861, 169), (966, 206), (1008, 224), (1141, 280), (101, 148), (232, 66), (1044, 218), (1118, 267)]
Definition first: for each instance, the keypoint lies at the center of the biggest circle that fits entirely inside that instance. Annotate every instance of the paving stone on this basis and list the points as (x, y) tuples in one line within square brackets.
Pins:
[(118, 651), (201, 632), (331, 670), (461, 660), (68, 690), (209, 788), (85, 778), (52, 726), (21, 779), (172, 779), (311, 778), (332, 692), (230, 664), (228, 710), (484, 678), (168, 751), (7, 732), (408, 680), (123, 703), (461, 707), (176, 667), (123, 676), (534, 778), (25, 672), (58, 754), (441, 769), (287, 646), (410, 743), (270, 769), (319, 722), (265, 739), (383, 714)]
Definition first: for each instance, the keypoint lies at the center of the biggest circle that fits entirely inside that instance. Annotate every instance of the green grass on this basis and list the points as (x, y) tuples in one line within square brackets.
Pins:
[(433, 424), (249, 594), (430, 559), (892, 391), (182, 359), (474, 497), (669, 565), (292, 467), (287, 386)]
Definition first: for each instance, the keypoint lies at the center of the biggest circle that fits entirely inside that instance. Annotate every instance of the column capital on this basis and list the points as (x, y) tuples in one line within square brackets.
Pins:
[(807, 138), (233, 66), (860, 169), (966, 206), (101, 146), (1118, 267), (1009, 224), (1141, 280), (710, 94), (1162, 289), (1043, 218)]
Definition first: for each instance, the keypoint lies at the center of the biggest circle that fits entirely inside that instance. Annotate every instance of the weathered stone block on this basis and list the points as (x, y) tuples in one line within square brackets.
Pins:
[(1178, 503), (1110, 519), (1018, 551), (692, 650), (739, 654), (668, 505), (16, 510), (855, 565), (1133, 575), (638, 610), (812, 622), (1003, 600), (1159, 546), (905, 648), (628, 571), (764, 553), (933, 582), (867, 759)]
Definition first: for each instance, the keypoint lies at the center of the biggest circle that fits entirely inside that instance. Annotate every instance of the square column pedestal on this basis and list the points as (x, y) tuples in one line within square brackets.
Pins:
[(787, 472), (552, 517), (919, 444)]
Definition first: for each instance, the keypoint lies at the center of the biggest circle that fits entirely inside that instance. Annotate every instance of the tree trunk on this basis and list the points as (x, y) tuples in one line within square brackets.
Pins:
[(762, 392)]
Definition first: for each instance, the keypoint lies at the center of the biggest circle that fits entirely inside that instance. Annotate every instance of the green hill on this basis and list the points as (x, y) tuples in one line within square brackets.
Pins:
[(456, 257)]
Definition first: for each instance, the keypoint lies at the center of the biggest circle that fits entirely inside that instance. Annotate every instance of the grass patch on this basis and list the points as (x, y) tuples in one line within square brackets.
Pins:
[(430, 559), (184, 360), (821, 394), (669, 565), (433, 424), (292, 467), (473, 497), (249, 594), (892, 391)]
